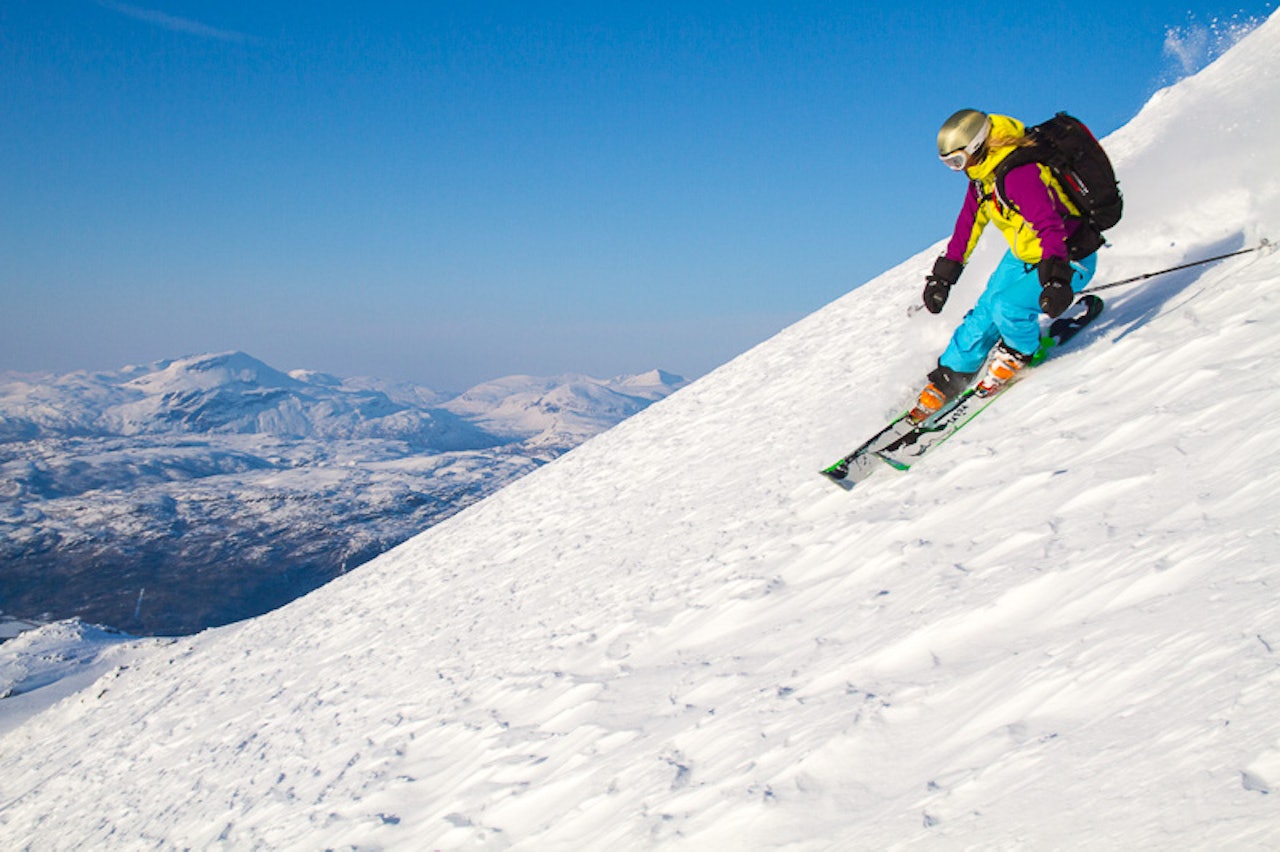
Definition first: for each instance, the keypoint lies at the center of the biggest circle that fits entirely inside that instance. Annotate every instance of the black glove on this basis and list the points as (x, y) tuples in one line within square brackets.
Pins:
[(1056, 294), (938, 284)]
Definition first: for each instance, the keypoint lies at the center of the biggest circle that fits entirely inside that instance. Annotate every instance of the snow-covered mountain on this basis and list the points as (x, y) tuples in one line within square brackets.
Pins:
[(200, 491), (544, 411), (1059, 631), (234, 393)]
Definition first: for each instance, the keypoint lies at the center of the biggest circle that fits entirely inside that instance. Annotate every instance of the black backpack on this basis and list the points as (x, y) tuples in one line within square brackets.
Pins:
[(1083, 169)]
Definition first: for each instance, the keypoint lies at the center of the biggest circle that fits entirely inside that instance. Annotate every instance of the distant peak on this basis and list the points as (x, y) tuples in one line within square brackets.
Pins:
[(313, 377), (211, 370), (653, 377)]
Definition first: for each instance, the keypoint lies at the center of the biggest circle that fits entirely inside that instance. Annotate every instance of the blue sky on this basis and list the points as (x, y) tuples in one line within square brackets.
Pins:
[(445, 193)]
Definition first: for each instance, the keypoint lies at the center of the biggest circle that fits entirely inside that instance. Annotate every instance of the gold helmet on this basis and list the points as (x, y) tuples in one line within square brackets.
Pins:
[(962, 137)]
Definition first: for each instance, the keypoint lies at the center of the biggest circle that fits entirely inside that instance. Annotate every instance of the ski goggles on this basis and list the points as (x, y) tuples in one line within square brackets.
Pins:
[(958, 159)]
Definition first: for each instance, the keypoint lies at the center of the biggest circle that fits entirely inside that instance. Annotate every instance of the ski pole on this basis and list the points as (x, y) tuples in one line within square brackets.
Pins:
[(1262, 246)]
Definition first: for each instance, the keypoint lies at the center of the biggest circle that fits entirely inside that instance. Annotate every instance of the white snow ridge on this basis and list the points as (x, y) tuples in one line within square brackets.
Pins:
[(1060, 630)]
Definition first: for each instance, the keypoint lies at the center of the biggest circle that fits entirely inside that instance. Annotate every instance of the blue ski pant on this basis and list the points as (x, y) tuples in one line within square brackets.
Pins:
[(1008, 309)]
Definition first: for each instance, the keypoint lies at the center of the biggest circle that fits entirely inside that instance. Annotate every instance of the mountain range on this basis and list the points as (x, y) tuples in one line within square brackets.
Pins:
[(189, 493)]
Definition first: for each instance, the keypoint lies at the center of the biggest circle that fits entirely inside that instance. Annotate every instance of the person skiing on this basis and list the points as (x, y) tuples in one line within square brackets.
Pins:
[(1037, 274)]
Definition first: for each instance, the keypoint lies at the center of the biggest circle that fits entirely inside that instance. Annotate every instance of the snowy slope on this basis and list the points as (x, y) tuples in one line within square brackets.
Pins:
[(1060, 631), (42, 664)]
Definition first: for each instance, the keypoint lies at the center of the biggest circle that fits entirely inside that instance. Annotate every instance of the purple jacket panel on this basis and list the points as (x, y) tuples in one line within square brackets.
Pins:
[(964, 226), (1040, 207), (1051, 221)]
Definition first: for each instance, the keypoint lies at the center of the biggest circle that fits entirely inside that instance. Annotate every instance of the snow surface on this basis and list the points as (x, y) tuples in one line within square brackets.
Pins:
[(44, 663), (1061, 630)]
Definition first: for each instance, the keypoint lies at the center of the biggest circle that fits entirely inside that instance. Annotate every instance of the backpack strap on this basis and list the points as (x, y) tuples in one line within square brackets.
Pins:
[(976, 186), (1020, 157)]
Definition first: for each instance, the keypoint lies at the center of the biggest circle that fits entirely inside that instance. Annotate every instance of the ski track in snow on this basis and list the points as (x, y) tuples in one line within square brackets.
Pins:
[(1059, 630)]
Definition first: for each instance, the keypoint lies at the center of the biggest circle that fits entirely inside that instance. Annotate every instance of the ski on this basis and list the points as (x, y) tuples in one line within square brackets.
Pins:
[(1064, 328), (862, 462), (903, 452), (903, 441)]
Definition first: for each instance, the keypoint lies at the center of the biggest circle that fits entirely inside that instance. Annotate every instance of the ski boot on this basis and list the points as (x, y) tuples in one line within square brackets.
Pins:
[(1002, 366), (944, 385)]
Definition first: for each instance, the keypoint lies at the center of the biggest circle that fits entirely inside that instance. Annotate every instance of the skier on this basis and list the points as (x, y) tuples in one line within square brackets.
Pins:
[(1037, 274)]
